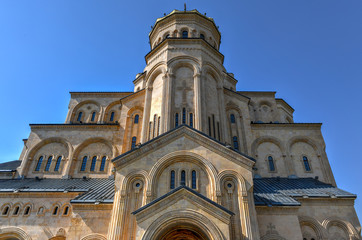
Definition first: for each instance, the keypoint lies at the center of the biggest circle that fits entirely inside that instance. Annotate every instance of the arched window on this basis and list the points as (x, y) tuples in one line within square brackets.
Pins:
[(232, 118), (16, 211), (134, 139), (176, 120), (55, 211), (202, 36), (103, 164), (271, 164), (27, 211), (93, 163), (38, 165), (57, 164), (185, 34), (209, 126), (112, 117), (79, 116), (40, 210), (306, 164), (172, 180), (66, 210), (158, 126), (193, 173), (235, 142), (93, 116), (154, 125), (150, 131), (183, 115), (84, 164), (5, 211), (183, 178), (49, 162), (136, 119), (167, 36), (191, 120)]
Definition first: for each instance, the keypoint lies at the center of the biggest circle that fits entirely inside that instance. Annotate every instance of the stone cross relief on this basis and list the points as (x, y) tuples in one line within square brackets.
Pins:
[(184, 90)]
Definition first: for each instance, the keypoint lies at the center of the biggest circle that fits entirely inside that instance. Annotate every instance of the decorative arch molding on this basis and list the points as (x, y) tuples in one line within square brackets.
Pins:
[(315, 225), (79, 105), (260, 140), (232, 106), (108, 108), (177, 217), (237, 176), (184, 61), (46, 141), (95, 140), (176, 156), (134, 175), (135, 109), (264, 102), (304, 139), (14, 232), (213, 71), (159, 68), (345, 225), (272, 237), (94, 236)]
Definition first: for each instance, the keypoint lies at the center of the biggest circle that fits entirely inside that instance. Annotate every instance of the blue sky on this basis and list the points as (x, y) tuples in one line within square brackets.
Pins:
[(309, 51)]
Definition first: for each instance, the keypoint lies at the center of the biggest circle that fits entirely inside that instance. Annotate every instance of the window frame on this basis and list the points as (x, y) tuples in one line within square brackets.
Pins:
[(308, 162), (273, 161)]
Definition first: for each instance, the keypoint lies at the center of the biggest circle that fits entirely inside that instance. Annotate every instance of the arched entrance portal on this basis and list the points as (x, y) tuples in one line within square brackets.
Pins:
[(182, 233)]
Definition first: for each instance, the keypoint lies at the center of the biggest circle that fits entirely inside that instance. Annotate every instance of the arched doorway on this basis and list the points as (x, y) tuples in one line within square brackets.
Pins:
[(182, 233)]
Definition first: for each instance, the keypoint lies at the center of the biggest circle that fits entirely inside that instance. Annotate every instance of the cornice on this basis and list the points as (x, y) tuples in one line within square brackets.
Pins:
[(238, 95), (155, 50), (133, 95), (82, 126), (284, 103), (278, 126), (100, 94)]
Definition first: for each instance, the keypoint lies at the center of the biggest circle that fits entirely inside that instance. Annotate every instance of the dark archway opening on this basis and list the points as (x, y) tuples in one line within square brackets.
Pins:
[(183, 233)]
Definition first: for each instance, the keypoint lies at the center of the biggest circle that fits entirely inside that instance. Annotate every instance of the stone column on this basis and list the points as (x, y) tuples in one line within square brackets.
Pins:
[(166, 103), (101, 115), (248, 215), (170, 96), (115, 225), (203, 102), (197, 99), (222, 114), (146, 114)]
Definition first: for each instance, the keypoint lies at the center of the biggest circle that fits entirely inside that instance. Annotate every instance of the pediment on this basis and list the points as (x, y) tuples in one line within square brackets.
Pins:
[(183, 133), (180, 199)]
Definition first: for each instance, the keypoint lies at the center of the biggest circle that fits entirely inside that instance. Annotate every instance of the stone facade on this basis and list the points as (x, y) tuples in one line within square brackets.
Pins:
[(183, 152)]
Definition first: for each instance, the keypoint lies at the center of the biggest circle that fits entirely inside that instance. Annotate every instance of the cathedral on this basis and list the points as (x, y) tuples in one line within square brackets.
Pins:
[(184, 156)]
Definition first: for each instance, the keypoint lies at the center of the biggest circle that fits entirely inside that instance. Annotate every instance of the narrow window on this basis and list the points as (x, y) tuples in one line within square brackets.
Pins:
[(16, 211), (172, 180), (84, 164), (213, 125), (57, 164), (5, 211), (27, 211), (93, 116), (183, 178), (193, 173), (40, 210), (232, 118), (158, 126), (271, 164), (79, 116), (218, 131), (176, 120), (112, 117), (49, 162), (93, 164), (55, 211), (185, 34), (183, 115), (39, 164), (154, 125), (202, 36), (191, 120), (150, 131), (236, 144), (136, 119), (134, 139), (306, 164), (66, 210), (209, 126), (103, 163)]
